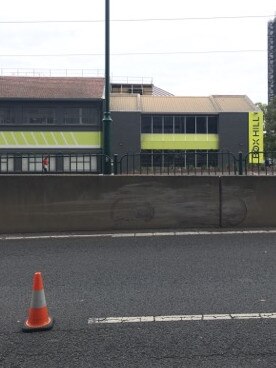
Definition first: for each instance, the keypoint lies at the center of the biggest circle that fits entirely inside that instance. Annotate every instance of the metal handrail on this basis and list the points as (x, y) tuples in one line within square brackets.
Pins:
[(54, 163), (180, 163)]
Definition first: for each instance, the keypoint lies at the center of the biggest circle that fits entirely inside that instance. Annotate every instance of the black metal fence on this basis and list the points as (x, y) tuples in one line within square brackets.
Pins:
[(186, 163), (54, 163), (259, 163), (181, 163)]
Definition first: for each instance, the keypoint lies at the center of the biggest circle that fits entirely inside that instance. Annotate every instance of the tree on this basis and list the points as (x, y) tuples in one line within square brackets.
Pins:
[(269, 112)]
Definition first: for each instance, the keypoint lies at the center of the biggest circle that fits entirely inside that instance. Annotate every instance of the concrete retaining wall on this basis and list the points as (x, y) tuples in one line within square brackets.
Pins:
[(79, 203), (248, 201), (97, 203)]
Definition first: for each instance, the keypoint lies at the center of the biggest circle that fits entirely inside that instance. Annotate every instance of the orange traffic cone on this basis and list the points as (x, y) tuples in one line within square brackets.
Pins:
[(38, 319)]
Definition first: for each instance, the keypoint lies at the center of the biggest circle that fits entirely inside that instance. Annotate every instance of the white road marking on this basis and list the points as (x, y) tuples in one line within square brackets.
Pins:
[(144, 234), (126, 235), (138, 234), (184, 318)]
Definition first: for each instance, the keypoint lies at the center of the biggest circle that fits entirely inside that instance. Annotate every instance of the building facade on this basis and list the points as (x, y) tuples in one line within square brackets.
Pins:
[(61, 119), (191, 129), (57, 117), (271, 59)]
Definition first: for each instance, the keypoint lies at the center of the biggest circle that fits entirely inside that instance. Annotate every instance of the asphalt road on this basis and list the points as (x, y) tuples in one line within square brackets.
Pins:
[(141, 276)]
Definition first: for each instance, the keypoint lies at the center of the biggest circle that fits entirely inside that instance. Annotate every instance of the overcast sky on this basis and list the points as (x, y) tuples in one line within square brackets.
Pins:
[(177, 54)]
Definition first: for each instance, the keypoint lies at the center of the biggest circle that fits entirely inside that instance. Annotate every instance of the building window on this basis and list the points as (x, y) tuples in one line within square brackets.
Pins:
[(146, 124), (38, 115), (212, 125), (157, 124), (71, 116), (80, 163), (171, 159), (157, 157), (146, 158), (6, 163), (202, 159), (213, 158), (201, 125), (81, 115), (190, 124), (136, 90), (89, 115), (179, 124), (168, 124), (6, 116), (33, 163)]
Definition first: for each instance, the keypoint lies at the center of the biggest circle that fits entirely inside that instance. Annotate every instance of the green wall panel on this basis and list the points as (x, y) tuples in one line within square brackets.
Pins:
[(180, 141), (50, 139)]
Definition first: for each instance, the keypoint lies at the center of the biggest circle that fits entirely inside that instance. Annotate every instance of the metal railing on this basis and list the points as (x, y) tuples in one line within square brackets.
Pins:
[(54, 163), (48, 72), (260, 163), (70, 72), (157, 163), (186, 163)]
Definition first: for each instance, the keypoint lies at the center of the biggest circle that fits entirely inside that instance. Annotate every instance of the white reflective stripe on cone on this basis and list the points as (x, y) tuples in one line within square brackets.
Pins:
[(38, 299)]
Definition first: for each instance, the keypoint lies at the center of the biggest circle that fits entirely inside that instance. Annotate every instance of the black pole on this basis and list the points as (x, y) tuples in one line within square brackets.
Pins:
[(240, 164), (107, 118)]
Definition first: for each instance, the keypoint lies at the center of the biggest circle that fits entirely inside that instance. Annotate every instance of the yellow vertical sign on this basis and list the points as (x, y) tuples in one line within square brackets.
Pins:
[(256, 137)]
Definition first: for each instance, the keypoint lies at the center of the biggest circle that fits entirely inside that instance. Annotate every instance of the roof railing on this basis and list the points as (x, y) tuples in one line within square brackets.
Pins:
[(46, 72)]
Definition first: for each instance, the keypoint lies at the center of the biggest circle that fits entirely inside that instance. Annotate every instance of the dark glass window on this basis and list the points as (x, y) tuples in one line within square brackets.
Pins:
[(138, 91), (89, 115), (157, 124), (71, 115), (201, 158), (146, 124), (213, 158), (80, 115), (180, 158), (157, 158), (179, 124), (190, 124), (212, 124), (191, 158), (146, 158), (201, 124), (169, 156), (38, 115), (6, 116), (168, 124)]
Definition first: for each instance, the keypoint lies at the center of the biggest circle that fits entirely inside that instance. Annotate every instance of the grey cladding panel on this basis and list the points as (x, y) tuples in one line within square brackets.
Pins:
[(233, 132), (125, 132)]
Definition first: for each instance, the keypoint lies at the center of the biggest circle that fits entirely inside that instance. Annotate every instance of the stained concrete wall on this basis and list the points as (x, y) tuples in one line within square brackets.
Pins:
[(86, 203), (248, 201), (97, 203)]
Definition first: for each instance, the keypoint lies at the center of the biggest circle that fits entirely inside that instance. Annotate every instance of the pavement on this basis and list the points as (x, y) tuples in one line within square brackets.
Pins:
[(125, 276)]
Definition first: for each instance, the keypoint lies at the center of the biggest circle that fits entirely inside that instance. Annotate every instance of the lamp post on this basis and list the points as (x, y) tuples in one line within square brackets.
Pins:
[(107, 118)]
